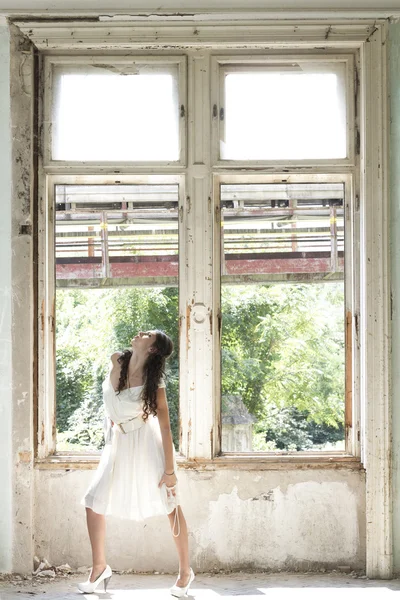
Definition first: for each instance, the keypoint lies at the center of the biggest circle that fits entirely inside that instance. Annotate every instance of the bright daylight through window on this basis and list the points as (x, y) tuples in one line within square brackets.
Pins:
[(100, 115), (291, 111)]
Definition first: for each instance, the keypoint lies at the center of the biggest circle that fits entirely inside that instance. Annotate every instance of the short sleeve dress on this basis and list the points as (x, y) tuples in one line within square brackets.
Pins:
[(126, 481)]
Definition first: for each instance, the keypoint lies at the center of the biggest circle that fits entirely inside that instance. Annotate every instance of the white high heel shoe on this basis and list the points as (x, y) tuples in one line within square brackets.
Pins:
[(179, 592), (88, 587)]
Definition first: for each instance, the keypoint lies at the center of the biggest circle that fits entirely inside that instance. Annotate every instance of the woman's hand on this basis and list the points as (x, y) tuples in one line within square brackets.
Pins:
[(170, 482)]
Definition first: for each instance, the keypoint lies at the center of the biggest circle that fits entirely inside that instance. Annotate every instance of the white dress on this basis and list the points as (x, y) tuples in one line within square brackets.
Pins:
[(126, 481)]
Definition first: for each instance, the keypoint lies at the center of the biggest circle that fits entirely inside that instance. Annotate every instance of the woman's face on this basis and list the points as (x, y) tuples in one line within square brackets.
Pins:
[(143, 341)]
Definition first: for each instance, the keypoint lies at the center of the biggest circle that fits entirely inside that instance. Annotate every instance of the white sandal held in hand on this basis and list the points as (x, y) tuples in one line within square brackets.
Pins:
[(177, 524)]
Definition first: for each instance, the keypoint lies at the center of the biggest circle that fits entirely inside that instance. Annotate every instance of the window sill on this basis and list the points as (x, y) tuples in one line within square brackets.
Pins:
[(274, 461), (242, 462)]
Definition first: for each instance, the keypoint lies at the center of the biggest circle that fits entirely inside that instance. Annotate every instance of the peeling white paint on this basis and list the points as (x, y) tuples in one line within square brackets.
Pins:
[(307, 523), (147, 7), (25, 397), (21, 444), (264, 525), (5, 307)]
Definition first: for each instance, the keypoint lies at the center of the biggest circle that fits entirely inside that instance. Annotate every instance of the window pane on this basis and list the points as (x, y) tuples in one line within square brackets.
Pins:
[(283, 357), (100, 115), (283, 231), (117, 231), (292, 114), (107, 236)]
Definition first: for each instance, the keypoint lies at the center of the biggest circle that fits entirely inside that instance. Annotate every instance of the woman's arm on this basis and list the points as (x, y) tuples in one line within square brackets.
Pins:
[(114, 358), (115, 369), (166, 435)]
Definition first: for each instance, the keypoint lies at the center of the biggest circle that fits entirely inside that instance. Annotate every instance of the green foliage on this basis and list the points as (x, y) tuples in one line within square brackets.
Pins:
[(282, 353), (308, 369), (73, 380), (247, 355), (283, 350), (82, 348), (86, 423), (290, 429)]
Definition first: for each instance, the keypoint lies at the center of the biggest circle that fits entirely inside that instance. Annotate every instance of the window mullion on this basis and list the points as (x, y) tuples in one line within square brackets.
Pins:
[(197, 410)]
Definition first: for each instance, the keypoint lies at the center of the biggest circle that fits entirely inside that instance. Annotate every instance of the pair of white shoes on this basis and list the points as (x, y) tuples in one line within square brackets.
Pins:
[(88, 587)]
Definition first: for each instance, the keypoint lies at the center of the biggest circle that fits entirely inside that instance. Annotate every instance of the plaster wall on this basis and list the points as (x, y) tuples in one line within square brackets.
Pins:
[(291, 519), (394, 78), (20, 254), (5, 304)]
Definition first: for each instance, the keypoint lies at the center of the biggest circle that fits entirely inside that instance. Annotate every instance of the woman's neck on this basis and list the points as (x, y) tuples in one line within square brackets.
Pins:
[(136, 363)]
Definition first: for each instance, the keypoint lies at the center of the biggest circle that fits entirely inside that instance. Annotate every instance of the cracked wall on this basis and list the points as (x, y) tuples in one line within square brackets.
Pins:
[(287, 519)]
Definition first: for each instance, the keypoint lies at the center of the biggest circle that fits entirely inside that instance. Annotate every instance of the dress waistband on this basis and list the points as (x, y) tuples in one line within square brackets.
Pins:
[(130, 425)]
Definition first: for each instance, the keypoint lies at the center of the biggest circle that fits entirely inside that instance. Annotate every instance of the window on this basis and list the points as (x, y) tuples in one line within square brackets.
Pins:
[(116, 110), (283, 108), (243, 249), (117, 254), (127, 232)]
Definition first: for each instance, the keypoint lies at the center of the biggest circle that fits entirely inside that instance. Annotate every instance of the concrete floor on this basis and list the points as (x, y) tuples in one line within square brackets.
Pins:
[(245, 586)]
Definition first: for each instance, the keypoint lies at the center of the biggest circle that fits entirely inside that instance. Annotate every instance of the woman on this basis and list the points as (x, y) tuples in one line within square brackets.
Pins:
[(136, 476)]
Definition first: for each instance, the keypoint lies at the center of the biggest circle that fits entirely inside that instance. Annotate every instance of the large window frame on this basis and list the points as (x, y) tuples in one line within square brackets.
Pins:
[(200, 313), (202, 171)]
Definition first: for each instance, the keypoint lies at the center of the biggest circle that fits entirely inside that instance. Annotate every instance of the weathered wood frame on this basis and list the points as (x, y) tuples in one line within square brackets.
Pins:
[(199, 320)]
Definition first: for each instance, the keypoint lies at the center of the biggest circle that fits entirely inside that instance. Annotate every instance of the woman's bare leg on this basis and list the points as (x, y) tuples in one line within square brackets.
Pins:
[(182, 546), (96, 525)]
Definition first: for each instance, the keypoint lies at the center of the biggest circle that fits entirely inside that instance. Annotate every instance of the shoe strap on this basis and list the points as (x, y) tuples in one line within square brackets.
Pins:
[(176, 520)]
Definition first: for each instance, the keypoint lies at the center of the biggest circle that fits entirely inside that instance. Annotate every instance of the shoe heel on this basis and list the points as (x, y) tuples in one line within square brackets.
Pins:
[(107, 579), (179, 592), (190, 581)]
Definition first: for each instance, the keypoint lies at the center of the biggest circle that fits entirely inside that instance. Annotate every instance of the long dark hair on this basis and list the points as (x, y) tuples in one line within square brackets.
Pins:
[(153, 371)]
